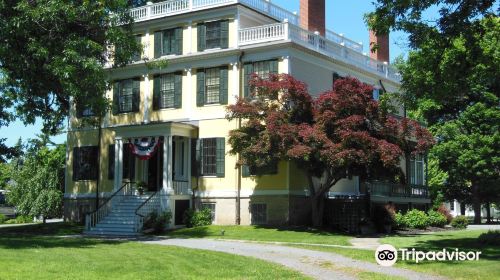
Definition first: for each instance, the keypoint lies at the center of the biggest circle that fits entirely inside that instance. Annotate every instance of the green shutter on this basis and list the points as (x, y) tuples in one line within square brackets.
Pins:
[(158, 39), (156, 92), (224, 34), (76, 163), (245, 171), (248, 70), (111, 162), (220, 156), (178, 41), (94, 173), (136, 97), (273, 66), (116, 97), (202, 32), (178, 90), (200, 84), (223, 90), (195, 157)]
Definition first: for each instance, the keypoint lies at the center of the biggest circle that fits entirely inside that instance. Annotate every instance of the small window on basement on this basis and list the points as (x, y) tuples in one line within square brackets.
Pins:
[(258, 211)]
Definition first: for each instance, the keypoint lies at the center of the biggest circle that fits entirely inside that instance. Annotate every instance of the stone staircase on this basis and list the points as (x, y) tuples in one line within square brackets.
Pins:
[(121, 220)]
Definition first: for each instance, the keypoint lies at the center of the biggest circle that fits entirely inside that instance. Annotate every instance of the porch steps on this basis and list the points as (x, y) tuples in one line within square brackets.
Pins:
[(121, 220)]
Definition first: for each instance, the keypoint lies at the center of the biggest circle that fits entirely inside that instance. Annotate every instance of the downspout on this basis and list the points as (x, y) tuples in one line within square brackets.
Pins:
[(240, 95)]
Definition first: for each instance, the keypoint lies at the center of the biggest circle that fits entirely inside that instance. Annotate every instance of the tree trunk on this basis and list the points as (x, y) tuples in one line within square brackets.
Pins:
[(317, 210), (488, 213), (476, 203), (462, 208)]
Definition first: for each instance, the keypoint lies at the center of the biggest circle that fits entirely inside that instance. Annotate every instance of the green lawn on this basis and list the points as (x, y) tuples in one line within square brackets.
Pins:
[(24, 255), (256, 233), (486, 268)]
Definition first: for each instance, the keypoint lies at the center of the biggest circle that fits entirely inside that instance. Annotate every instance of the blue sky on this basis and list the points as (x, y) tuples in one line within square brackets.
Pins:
[(341, 16)]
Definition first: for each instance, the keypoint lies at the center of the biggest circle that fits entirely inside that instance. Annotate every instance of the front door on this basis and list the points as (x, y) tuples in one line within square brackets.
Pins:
[(155, 170)]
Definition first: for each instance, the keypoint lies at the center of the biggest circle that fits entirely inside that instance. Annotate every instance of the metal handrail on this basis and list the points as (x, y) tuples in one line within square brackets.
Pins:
[(144, 203), (140, 217), (92, 218)]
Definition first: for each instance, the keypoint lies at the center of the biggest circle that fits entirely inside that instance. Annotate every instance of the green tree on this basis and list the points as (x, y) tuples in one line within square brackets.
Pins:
[(451, 79), (38, 184)]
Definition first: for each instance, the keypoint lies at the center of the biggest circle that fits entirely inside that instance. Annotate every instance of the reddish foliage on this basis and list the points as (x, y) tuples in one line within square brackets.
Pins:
[(443, 210)]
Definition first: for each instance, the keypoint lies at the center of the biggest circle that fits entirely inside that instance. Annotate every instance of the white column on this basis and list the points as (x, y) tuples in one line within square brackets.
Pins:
[(188, 101), (189, 40), (167, 165), (188, 170), (237, 31), (170, 187), (118, 163), (146, 98), (286, 65), (146, 45), (236, 83)]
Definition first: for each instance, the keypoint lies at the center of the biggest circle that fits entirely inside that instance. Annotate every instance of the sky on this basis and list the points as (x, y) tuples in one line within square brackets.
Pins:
[(342, 16)]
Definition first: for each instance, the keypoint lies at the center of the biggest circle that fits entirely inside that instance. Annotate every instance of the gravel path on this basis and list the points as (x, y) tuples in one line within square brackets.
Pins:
[(319, 265)]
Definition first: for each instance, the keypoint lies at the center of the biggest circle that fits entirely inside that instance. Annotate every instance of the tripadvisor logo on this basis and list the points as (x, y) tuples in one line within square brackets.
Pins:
[(387, 255)]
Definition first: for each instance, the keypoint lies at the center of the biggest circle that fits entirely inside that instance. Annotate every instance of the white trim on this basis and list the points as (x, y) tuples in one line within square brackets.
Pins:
[(246, 193)]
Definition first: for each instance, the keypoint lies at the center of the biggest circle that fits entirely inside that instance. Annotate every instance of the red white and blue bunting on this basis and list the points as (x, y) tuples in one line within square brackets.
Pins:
[(144, 148)]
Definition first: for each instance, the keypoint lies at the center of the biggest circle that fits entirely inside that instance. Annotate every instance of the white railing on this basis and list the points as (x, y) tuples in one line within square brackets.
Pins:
[(181, 188), (340, 39), (261, 34), (289, 32), (93, 218), (149, 206), (183, 6)]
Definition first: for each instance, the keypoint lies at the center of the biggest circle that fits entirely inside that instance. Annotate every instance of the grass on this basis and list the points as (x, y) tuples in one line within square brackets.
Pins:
[(258, 233), (485, 268), (26, 255)]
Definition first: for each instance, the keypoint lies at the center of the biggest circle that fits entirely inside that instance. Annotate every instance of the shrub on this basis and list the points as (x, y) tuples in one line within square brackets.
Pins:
[(2, 218), (460, 222), (492, 237), (446, 212), (436, 219), (416, 219), (157, 222), (197, 218), (399, 221), (20, 220)]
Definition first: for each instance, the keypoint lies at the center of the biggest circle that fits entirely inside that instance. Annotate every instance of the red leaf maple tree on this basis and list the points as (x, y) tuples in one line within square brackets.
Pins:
[(341, 133)]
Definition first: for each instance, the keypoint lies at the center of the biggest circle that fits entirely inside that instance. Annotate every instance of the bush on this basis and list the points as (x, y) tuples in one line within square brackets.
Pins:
[(20, 220), (197, 218), (399, 221), (157, 222), (460, 222), (416, 219), (436, 219), (446, 212), (2, 218), (492, 237)]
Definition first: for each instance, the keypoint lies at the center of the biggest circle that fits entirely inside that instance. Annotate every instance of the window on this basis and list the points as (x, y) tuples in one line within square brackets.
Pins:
[(212, 86), (84, 111), (260, 68), (85, 163), (452, 205), (128, 163), (137, 56), (126, 96), (213, 35), (417, 176), (167, 91), (210, 153), (210, 206), (258, 211), (168, 42), (376, 94)]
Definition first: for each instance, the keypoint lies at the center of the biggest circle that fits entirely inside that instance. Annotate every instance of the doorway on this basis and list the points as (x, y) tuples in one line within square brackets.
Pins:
[(155, 170)]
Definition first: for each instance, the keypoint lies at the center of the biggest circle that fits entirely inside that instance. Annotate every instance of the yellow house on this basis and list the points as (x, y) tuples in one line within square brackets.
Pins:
[(168, 129)]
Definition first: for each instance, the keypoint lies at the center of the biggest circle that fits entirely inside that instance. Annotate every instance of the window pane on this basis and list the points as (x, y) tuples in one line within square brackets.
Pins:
[(212, 82), (209, 156), (262, 69), (213, 36), (126, 96), (167, 87), (168, 41)]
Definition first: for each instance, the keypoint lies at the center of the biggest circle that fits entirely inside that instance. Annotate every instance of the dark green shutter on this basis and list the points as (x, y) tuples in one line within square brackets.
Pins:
[(220, 156), (178, 41), (202, 32), (248, 69), (158, 39), (111, 162), (156, 92), (200, 84), (178, 90), (136, 95), (224, 34), (195, 157), (94, 172), (223, 90), (273, 66), (137, 56), (116, 97), (76, 163), (245, 171)]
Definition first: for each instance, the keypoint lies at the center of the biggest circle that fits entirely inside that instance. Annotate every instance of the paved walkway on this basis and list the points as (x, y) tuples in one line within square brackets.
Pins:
[(319, 265), (489, 227), (367, 243)]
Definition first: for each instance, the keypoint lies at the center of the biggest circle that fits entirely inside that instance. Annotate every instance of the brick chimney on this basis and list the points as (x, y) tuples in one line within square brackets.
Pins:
[(382, 41), (312, 15)]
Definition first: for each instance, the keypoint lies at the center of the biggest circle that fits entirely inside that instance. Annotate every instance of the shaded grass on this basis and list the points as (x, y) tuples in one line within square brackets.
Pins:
[(43, 229), (43, 257), (259, 233), (486, 268)]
